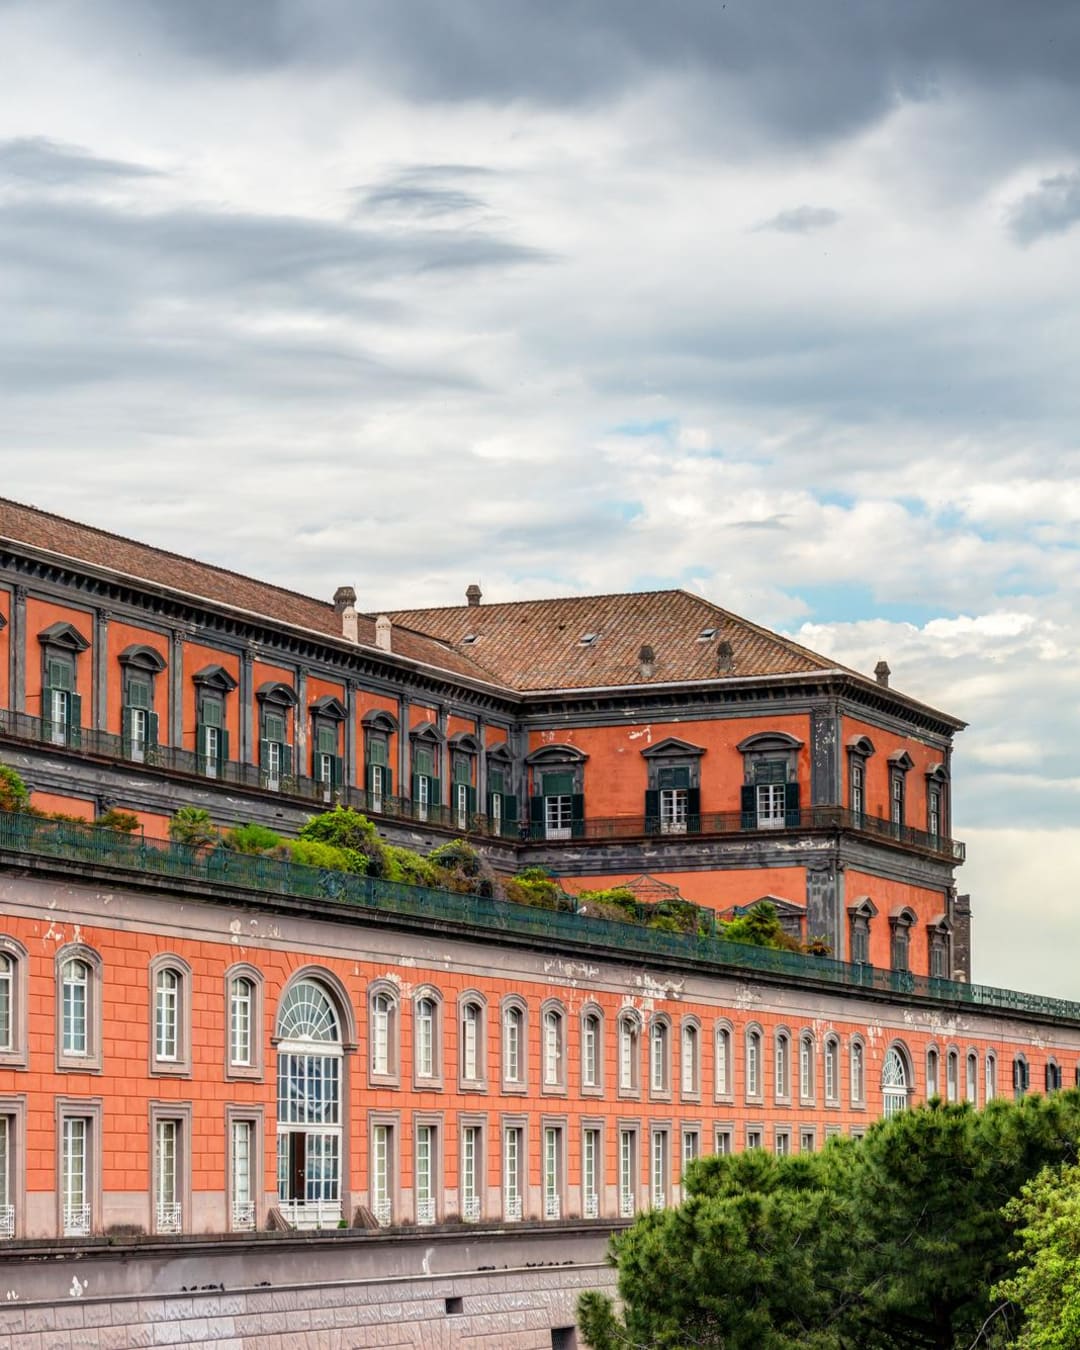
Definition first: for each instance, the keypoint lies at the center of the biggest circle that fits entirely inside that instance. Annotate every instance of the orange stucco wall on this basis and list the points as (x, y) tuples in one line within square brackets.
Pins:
[(885, 744), (616, 775), (889, 897), (196, 656), (5, 638), (716, 890), (68, 806)]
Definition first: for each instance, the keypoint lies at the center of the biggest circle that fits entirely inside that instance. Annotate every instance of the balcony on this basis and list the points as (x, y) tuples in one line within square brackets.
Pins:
[(627, 1208), (470, 1209), (79, 846), (87, 743), (591, 1207), (243, 1216), (425, 1212), (7, 1221), (76, 1220), (552, 1207), (512, 1208), (311, 1213), (384, 1213)]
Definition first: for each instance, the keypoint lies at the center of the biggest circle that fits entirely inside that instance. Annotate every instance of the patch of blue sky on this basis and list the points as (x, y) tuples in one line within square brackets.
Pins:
[(851, 602), (663, 426), (836, 498)]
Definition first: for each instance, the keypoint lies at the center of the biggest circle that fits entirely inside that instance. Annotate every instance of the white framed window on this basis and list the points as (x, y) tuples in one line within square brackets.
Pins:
[(554, 1067), (590, 1172), (74, 1176), (166, 1013), (660, 1168), (832, 1071), (168, 1209), (770, 806), (807, 1141), (807, 1068), (991, 1076), (243, 1165), (659, 1056), (553, 1171), (952, 1076), (674, 809), (170, 1040), (461, 806), (690, 1060), (858, 1073), (782, 1065), (628, 1172), (723, 1061), (472, 1042), (513, 1047), (424, 1180), (753, 1063), (425, 1055), (755, 1138), (933, 1084), (591, 1051), (7, 1175), (471, 1172), (75, 1001), (382, 1173), (78, 1009), (895, 1082), (971, 1078), (241, 1021), (723, 1140), (629, 1053), (559, 816), (382, 1014), (513, 1171), (691, 1151)]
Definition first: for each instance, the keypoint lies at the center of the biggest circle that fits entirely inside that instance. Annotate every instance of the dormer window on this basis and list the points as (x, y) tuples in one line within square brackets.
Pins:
[(706, 635), (588, 639)]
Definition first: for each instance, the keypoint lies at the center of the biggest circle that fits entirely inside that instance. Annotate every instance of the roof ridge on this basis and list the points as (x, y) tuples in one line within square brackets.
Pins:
[(161, 552), (544, 600)]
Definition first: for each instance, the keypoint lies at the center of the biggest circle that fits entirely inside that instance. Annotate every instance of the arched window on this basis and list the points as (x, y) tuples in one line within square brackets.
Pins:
[(807, 1074), (952, 1076), (471, 1030), (241, 1021), (659, 1056), (1021, 1077), (858, 1073), (690, 1060), (782, 1047), (894, 1082), (427, 1060), (1053, 1076), (753, 1063), (383, 1034), (832, 1070), (513, 1046), (971, 1078), (75, 980), (309, 1106), (991, 1075), (592, 1050), (553, 1026), (723, 1061), (933, 1086), (170, 987), (629, 1053)]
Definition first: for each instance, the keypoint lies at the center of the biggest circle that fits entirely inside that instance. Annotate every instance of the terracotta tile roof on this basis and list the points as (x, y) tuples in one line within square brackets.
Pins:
[(54, 534), (595, 641)]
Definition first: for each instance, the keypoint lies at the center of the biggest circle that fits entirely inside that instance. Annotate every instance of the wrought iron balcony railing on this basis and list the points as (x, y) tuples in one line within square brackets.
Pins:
[(76, 1220), (425, 1211), (169, 1218), (7, 1221), (243, 1216), (68, 842), (170, 759)]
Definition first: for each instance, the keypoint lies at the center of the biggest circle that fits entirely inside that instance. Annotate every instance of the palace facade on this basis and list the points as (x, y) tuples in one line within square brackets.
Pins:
[(200, 1043)]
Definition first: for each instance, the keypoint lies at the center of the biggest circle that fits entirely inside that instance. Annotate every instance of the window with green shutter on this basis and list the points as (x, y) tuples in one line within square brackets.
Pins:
[(497, 781), (378, 751), (424, 761), (60, 675), (138, 694), (462, 769), (211, 713), (327, 741), (274, 727), (559, 784)]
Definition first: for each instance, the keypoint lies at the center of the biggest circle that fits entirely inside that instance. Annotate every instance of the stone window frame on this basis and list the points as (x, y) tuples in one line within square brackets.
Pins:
[(807, 1089), (92, 1110), (519, 1085), (180, 1066), (252, 1114), (857, 1082), (392, 1121), (476, 1120), (463, 748), (327, 713), (665, 1128), (952, 1074), (379, 725), (901, 923), (142, 663), (434, 1081), (939, 945), (1052, 1075), (629, 1022), (68, 1061), (473, 998), (62, 641), (1021, 1076), (971, 1080), (860, 916), (807, 1132), (660, 1029), (562, 1124), (277, 699), (990, 1076), (724, 1138), (859, 750), (436, 1122), (553, 1006), (933, 1070), (256, 1070), (514, 1121), (723, 1029), (754, 1135), (753, 1034), (13, 1107), (782, 1043), (937, 784), (673, 753), (688, 1129), (213, 684), (690, 1023), (831, 1056), (772, 747), (782, 1134), (559, 757), (391, 1076), (900, 765), (428, 736), (181, 1113), (599, 1124), (592, 1009), (15, 1055)]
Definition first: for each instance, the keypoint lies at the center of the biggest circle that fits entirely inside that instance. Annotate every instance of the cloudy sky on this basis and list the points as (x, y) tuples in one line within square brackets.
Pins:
[(774, 301)]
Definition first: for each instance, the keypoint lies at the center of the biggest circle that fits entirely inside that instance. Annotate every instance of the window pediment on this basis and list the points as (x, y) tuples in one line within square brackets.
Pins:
[(769, 740), (557, 754), (900, 759), (861, 745), (141, 657), (277, 692), (937, 773), (65, 636), (214, 677), (466, 742), (427, 731), (378, 719), (328, 706), (863, 908), (499, 754), (672, 748), (903, 918)]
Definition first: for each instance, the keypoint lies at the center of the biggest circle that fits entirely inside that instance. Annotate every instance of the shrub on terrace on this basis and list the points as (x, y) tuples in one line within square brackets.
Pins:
[(124, 822), (14, 794), (192, 826)]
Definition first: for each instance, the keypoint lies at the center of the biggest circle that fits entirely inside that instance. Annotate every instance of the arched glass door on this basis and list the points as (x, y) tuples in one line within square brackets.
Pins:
[(309, 1061), (894, 1083)]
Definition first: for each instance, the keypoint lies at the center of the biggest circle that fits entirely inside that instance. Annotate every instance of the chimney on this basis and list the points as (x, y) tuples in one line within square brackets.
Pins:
[(725, 658), (344, 598), (882, 673), (383, 630), (350, 624), (646, 661), (473, 595)]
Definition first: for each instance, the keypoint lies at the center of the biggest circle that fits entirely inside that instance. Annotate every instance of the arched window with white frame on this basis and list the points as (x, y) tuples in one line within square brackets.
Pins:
[(895, 1081)]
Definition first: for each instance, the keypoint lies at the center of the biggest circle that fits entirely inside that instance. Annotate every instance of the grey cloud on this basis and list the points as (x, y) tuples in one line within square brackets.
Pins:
[(801, 220), (1052, 208), (412, 199), (44, 162), (805, 72)]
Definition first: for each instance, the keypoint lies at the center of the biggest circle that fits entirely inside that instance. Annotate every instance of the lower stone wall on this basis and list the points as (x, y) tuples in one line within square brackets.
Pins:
[(506, 1291)]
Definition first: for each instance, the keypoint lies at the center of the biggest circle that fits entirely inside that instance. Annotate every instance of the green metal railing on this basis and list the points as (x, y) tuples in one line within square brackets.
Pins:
[(74, 843)]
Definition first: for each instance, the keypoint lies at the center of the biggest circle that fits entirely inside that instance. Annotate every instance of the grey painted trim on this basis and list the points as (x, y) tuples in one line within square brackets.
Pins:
[(481, 765), (352, 774), (176, 691), (825, 787), (214, 677), (300, 724), (65, 636), (247, 709), (672, 748), (404, 745), (17, 649), (378, 719), (277, 692), (559, 752), (141, 656), (101, 669)]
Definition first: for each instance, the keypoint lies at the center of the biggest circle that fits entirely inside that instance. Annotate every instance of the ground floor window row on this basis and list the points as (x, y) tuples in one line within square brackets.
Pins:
[(510, 1170)]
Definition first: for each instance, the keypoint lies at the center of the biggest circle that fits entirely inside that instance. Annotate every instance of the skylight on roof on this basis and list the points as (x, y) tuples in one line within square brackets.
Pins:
[(706, 635), (587, 639), (469, 639)]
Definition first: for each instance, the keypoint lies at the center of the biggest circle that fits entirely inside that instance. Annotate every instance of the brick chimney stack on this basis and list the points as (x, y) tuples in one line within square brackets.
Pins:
[(882, 673), (473, 595)]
